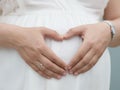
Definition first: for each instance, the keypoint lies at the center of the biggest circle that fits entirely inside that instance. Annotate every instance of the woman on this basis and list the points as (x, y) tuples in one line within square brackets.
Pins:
[(46, 40)]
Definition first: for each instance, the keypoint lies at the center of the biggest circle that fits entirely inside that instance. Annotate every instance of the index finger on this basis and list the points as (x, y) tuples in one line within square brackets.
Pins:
[(79, 55), (47, 52)]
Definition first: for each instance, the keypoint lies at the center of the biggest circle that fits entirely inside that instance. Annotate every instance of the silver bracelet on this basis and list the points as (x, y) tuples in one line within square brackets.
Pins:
[(112, 28)]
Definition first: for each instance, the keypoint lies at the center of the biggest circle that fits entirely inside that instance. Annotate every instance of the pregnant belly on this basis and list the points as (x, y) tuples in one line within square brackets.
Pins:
[(60, 22), (65, 49), (13, 65)]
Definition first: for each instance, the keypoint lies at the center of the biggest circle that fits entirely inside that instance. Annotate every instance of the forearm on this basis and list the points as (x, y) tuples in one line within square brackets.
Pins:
[(116, 40), (8, 38)]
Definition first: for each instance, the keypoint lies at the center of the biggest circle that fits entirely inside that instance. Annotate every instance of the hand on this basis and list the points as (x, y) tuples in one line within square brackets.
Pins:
[(36, 53), (96, 38)]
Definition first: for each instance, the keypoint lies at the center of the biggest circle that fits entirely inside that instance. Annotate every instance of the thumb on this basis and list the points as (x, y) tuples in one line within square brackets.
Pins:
[(52, 34), (74, 32)]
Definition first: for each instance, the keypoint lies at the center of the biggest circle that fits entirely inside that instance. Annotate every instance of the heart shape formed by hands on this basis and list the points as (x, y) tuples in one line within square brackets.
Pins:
[(65, 49)]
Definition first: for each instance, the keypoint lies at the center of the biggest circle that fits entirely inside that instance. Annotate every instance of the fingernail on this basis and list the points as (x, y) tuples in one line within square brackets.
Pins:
[(75, 73), (59, 77)]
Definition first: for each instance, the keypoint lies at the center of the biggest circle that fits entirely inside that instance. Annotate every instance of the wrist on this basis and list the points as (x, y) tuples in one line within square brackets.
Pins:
[(112, 28), (9, 35)]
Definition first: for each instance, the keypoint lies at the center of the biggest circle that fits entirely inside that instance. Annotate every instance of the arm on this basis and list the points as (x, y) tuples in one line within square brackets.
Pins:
[(112, 13), (9, 35)]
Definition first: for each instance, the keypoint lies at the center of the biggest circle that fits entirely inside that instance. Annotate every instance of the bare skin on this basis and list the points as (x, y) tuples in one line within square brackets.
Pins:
[(30, 44)]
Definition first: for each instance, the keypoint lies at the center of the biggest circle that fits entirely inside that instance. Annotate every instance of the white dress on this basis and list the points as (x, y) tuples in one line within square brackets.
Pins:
[(60, 15)]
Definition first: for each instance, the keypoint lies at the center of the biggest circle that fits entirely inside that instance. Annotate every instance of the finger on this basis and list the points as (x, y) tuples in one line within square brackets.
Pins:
[(51, 66), (48, 53), (28, 61), (88, 66), (52, 34), (86, 59), (52, 74), (91, 63), (47, 71), (79, 55), (74, 32), (40, 72)]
